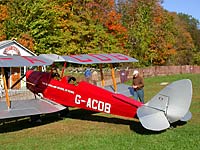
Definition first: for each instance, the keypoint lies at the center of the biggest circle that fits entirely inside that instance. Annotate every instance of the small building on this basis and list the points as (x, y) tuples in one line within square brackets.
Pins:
[(13, 74)]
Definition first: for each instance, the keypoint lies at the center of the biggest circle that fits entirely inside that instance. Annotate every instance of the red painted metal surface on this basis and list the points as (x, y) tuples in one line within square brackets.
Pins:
[(82, 95)]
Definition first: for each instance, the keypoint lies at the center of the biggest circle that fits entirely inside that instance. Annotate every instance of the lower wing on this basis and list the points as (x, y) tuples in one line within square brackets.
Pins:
[(23, 108)]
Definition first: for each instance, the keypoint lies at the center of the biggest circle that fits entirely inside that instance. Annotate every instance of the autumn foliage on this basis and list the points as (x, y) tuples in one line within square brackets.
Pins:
[(139, 28), (3, 17)]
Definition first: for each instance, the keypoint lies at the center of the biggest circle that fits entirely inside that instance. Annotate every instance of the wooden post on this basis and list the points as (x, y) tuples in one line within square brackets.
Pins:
[(113, 78), (40, 68), (6, 88), (63, 69), (102, 77)]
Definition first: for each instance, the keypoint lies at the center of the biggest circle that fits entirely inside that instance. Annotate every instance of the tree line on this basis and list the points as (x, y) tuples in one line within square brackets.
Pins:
[(142, 29)]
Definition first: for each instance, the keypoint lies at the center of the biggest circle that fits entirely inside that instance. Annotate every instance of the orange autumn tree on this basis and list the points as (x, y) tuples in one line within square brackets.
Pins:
[(150, 31), (3, 17), (27, 41), (105, 12), (137, 16), (80, 30), (23, 39), (19, 21), (161, 48), (61, 27), (184, 42)]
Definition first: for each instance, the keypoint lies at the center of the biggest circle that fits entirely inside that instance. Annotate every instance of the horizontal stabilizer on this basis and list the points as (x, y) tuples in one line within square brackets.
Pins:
[(23, 108), (152, 119)]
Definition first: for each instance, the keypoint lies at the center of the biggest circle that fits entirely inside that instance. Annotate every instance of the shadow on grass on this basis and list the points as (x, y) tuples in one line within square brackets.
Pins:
[(88, 115), (82, 114), (178, 123), (17, 124), (24, 123), (138, 128)]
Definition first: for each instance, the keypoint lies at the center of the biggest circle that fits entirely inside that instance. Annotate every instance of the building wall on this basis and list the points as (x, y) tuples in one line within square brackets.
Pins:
[(11, 47)]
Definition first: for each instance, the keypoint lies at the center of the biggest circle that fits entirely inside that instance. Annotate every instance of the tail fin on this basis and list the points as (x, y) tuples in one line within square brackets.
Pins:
[(169, 105)]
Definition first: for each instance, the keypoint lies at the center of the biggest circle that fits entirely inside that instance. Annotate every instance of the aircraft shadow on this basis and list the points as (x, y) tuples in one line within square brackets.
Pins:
[(11, 125), (80, 114), (135, 126)]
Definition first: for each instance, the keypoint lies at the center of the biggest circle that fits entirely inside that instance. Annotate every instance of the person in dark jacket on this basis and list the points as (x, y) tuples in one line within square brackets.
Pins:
[(138, 84)]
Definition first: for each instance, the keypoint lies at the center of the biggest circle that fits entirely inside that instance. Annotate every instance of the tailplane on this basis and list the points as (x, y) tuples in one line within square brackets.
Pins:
[(170, 105)]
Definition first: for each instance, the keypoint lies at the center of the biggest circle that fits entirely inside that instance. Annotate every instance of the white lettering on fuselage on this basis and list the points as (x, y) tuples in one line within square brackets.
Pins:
[(94, 104), (57, 87)]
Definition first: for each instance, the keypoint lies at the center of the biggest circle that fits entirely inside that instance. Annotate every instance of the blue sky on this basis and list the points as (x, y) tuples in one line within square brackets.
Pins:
[(190, 7)]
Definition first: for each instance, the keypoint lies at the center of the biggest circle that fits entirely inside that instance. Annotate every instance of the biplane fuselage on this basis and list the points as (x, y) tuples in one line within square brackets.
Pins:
[(82, 95)]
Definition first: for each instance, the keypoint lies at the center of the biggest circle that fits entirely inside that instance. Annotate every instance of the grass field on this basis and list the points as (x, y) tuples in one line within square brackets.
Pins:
[(86, 130)]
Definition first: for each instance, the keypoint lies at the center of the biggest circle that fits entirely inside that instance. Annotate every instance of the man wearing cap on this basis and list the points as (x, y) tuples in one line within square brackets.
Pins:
[(138, 84)]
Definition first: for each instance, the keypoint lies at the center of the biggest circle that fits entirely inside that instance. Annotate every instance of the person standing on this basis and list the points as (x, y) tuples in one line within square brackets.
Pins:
[(87, 74), (94, 77), (138, 85)]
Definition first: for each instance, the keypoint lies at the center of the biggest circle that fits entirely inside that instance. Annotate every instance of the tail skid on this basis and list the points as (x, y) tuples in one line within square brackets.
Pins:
[(169, 105)]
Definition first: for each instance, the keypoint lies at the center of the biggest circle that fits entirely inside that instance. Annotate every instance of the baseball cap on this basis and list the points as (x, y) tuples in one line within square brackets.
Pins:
[(135, 72)]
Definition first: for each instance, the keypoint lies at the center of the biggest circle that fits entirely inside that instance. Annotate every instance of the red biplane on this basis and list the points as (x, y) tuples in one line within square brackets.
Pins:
[(170, 105)]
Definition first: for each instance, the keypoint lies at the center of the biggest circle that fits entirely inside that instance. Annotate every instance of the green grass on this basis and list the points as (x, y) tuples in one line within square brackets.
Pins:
[(86, 130)]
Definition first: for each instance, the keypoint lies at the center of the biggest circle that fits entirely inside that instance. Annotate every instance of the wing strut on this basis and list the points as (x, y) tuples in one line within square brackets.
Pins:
[(102, 78), (6, 88), (63, 69), (113, 78)]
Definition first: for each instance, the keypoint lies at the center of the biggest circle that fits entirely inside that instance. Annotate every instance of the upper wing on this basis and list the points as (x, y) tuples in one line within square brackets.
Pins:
[(18, 61), (98, 58), (48, 59), (91, 58), (53, 57)]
